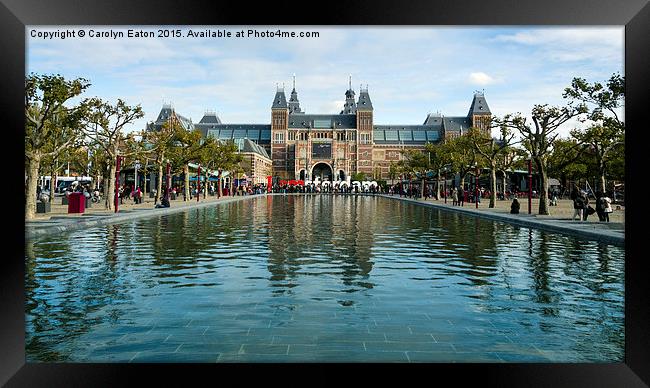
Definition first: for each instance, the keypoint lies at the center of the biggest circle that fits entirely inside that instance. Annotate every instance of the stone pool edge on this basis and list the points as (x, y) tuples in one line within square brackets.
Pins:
[(522, 220)]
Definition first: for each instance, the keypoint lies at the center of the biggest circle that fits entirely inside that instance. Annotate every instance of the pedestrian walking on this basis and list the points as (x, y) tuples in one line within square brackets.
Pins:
[(578, 203), (461, 196), (607, 207), (454, 197)]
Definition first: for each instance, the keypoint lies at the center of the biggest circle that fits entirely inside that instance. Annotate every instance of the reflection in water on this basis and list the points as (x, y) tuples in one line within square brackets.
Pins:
[(297, 260)]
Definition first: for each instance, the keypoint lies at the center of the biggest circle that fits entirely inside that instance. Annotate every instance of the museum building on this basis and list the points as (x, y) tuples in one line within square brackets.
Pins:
[(333, 146)]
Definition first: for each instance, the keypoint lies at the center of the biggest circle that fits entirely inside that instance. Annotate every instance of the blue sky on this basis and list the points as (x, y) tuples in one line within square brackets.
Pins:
[(410, 71)]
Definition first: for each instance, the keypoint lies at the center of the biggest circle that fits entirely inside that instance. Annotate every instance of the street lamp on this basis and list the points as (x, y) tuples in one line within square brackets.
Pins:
[(198, 183), (118, 163), (476, 194), (530, 185)]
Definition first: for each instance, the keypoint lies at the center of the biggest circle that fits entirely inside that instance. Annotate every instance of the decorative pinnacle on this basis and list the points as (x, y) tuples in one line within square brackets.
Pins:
[(294, 80), (350, 82)]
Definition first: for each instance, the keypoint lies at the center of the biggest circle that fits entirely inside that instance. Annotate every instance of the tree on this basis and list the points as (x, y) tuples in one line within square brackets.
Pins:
[(438, 158), (493, 151), (568, 160), (392, 172), (161, 143), (608, 132), (538, 138), (462, 156), (416, 163), (188, 147), (47, 118), (222, 156), (104, 128)]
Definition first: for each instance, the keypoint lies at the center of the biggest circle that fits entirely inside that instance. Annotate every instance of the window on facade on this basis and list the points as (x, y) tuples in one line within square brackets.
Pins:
[(253, 134), (419, 136), (352, 136), (292, 135), (278, 138), (391, 136), (239, 133), (225, 134), (432, 135), (365, 138)]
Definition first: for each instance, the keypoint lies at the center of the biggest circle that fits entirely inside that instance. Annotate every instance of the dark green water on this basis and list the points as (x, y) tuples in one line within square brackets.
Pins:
[(322, 278)]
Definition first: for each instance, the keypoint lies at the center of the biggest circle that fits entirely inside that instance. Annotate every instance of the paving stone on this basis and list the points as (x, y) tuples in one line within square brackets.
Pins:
[(263, 349), (160, 357)]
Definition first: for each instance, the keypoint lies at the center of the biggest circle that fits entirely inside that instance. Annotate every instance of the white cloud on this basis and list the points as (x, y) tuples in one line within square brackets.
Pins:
[(480, 78)]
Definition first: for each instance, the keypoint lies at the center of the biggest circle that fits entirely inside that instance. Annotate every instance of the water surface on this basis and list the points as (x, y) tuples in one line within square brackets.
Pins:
[(322, 278)]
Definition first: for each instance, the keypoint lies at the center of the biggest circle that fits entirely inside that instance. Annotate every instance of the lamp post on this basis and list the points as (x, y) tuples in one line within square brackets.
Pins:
[(476, 192), (198, 184), (118, 163), (168, 180), (445, 186), (530, 186)]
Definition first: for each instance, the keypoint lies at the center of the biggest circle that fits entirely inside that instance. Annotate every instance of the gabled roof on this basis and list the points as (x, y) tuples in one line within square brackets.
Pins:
[(456, 124), (165, 113), (280, 100), (250, 146), (479, 105), (433, 119), (364, 100), (210, 118)]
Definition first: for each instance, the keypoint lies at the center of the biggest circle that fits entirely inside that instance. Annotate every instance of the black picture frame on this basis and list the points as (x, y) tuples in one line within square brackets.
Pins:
[(634, 15)]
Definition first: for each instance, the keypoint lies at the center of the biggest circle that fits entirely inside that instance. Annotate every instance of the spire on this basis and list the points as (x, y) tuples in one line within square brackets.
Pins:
[(350, 106), (294, 104)]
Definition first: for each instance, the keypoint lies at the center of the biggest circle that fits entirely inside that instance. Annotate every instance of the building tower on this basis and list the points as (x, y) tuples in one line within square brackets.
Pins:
[(294, 104), (364, 132), (479, 112), (279, 126), (349, 107)]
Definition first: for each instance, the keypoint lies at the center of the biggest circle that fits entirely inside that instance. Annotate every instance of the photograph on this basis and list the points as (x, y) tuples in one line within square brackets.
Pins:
[(209, 194), (354, 191)]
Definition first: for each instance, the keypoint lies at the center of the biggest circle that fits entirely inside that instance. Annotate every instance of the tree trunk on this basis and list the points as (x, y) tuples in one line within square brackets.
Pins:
[(601, 170), (52, 183), (109, 187), (30, 189), (424, 180), (186, 173), (220, 184), (493, 185), (543, 195)]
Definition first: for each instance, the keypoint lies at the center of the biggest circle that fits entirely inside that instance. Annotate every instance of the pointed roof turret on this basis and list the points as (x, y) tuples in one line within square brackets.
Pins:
[(364, 99), (210, 117), (479, 106), (294, 104), (350, 106), (280, 100)]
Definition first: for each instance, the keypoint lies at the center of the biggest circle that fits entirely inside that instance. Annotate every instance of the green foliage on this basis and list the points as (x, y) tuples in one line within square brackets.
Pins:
[(604, 99), (49, 125), (359, 176)]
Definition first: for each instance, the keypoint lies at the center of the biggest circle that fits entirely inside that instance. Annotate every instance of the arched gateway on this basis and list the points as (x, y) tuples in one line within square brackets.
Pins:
[(322, 171)]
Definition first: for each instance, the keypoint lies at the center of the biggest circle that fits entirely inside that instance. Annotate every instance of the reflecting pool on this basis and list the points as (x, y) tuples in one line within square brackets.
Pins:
[(322, 278)]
